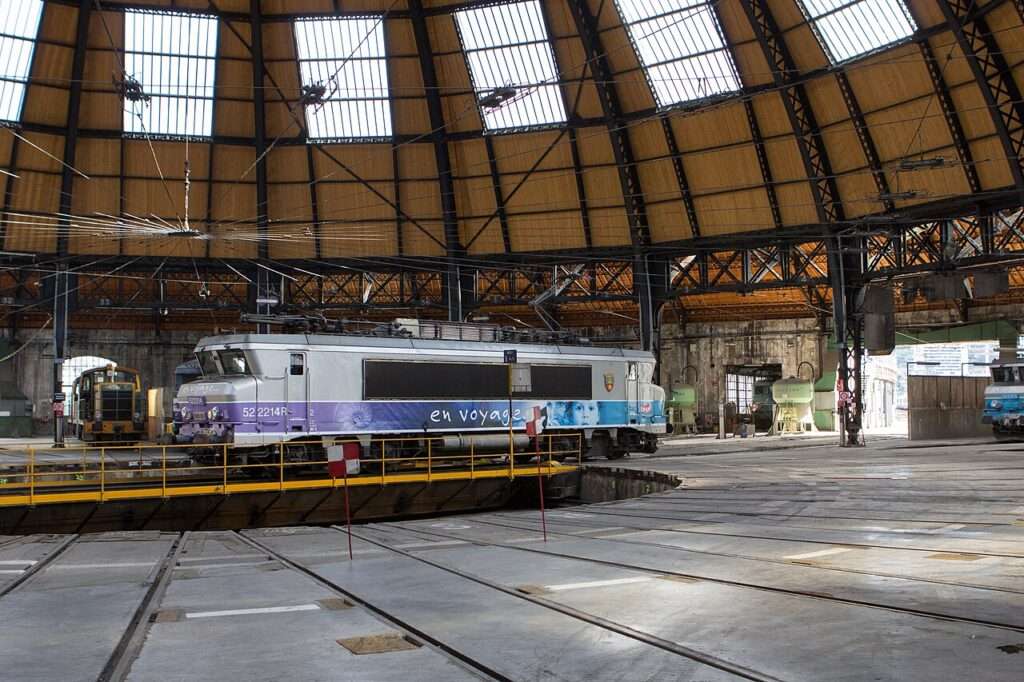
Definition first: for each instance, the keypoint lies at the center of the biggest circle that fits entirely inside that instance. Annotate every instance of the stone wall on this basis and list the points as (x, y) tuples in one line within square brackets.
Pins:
[(155, 356), (711, 347)]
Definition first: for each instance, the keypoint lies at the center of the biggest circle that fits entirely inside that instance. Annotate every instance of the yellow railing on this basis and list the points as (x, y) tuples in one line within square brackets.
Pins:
[(47, 475)]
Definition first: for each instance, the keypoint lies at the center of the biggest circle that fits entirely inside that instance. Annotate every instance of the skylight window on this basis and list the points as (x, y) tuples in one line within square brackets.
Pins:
[(512, 65), (20, 21), (348, 58), (681, 47), (173, 57), (848, 29)]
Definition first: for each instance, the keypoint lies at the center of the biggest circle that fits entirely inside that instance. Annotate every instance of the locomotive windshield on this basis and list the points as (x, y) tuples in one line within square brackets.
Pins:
[(222, 363), (1007, 375), (118, 376), (233, 362)]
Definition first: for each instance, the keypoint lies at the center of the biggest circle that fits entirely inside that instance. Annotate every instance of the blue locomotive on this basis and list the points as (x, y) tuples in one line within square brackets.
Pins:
[(1004, 401)]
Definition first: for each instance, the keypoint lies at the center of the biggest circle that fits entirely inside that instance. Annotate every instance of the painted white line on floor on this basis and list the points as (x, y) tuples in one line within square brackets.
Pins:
[(625, 535), (599, 530), (13, 571), (823, 552), (249, 612), (535, 538), (232, 564), (127, 564), (945, 529), (423, 545), (599, 583), (255, 558), (18, 562)]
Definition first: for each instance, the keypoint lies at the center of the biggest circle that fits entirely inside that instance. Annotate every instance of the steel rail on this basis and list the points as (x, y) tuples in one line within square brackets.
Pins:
[(387, 617), (721, 581), (130, 644), (35, 568), (643, 637)]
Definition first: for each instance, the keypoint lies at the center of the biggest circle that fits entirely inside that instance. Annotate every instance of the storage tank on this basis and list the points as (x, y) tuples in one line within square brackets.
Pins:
[(682, 408), (794, 411), (793, 390)]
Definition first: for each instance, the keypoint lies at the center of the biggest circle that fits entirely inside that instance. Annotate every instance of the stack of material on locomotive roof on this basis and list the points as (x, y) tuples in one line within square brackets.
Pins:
[(411, 328)]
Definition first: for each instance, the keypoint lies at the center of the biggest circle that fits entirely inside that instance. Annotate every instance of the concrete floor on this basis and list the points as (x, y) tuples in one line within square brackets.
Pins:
[(776, 559)]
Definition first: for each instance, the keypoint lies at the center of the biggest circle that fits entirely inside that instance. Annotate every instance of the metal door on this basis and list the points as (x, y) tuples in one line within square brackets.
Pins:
[(632, 394), (297, 394)]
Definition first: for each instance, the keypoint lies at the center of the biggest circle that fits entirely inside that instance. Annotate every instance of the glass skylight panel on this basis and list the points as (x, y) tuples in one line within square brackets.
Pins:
[(19, 20), (512, 65), (173, 57), (681, 47), (848, 29), (348, 57)]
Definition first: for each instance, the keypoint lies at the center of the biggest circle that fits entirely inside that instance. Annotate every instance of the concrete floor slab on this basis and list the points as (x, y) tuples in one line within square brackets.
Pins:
[(775, 559)]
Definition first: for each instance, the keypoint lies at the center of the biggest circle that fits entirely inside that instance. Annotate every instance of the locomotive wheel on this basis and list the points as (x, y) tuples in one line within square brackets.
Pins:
[(1004, 436)]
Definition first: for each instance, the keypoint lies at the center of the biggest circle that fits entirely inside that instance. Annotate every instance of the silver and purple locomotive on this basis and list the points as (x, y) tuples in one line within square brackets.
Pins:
[(262, 389)]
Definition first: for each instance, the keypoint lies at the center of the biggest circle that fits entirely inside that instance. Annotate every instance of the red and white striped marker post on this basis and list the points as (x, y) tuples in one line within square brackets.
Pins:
[(342, 460), (534, 428)]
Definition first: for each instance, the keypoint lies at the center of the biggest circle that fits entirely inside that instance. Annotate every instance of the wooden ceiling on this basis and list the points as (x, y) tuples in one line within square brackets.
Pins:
[(363, 201)]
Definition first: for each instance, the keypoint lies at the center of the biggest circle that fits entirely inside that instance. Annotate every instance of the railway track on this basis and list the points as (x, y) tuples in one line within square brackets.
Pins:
[(131, 641), (686, 652), (39, 565), (709, 578), (395, 622)]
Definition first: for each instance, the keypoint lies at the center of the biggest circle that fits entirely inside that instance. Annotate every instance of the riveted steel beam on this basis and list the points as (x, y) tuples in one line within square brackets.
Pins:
[(762, 162), (260, 126), (798, 109), (952, 118), (629, 178), (459, 287), (994, 78), (867, 144), (499, 200)]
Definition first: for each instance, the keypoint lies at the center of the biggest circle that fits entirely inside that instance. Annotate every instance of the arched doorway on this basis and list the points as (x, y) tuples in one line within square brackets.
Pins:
[(75, 366)]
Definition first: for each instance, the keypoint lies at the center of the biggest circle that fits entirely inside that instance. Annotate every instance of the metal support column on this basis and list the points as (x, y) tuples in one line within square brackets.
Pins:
[(846, 267), (61, 312)]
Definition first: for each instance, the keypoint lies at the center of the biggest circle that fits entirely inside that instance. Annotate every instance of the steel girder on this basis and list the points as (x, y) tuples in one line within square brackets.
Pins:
[(648, 300), (776, 262), (456, 284), (798, 108), (993, 76)]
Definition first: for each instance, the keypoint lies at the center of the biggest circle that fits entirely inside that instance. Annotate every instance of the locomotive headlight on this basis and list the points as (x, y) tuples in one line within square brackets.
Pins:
[(995, 404), (216, 414), (184, 413)]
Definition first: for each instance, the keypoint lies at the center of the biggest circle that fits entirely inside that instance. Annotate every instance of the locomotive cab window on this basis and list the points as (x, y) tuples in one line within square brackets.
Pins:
[(208, 363), (1006, 375), (297, 364), (233, 362)]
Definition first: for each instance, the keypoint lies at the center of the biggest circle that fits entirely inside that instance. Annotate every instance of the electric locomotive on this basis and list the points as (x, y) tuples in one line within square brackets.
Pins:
[(1004, 401), (412, 379)]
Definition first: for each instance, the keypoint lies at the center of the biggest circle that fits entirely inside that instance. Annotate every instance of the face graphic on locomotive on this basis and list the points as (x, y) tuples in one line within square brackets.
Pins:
[(572, 413)]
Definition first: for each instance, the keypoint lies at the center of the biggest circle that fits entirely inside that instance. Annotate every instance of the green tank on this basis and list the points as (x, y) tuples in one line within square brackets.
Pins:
[(684, 395), (682, 409), (793, 391)]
